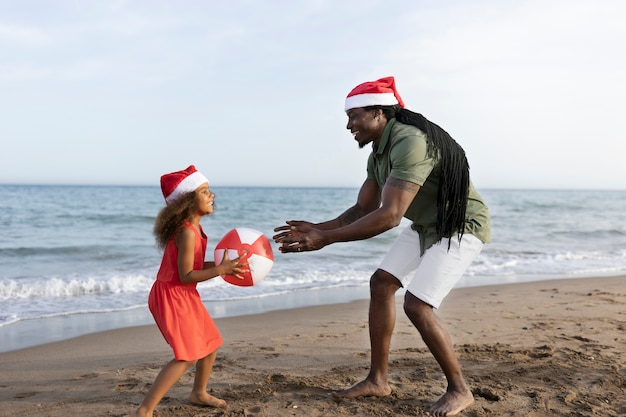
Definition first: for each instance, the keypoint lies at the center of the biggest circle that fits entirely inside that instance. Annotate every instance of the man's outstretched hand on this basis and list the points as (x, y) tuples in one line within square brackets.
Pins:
[(298, 236)]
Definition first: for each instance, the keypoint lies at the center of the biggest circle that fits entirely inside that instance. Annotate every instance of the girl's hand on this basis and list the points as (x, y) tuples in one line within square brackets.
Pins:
[(236, 267)]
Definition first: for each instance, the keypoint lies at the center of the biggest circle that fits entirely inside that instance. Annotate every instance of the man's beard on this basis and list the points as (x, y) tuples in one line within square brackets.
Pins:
[(363, 144)]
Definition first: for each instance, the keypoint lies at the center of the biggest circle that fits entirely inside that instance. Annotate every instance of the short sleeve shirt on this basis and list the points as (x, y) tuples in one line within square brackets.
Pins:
[(402, 153)]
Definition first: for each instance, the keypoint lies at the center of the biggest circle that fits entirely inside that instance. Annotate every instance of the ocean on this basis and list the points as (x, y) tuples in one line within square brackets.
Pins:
[(77, 259)]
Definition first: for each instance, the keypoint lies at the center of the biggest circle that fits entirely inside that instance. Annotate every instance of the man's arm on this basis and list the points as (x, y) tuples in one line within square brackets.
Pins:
[(368, 200), (397, 195)]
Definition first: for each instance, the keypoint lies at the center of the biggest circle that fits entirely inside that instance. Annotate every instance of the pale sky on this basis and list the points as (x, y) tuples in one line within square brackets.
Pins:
[(252, 92)]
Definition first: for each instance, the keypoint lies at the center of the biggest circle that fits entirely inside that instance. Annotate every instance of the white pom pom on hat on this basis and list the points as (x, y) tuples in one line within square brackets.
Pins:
[(175, 184)]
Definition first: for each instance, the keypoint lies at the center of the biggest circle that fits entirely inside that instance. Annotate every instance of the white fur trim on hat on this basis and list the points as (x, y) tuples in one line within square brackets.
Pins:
[(373, 99), (189, 184)]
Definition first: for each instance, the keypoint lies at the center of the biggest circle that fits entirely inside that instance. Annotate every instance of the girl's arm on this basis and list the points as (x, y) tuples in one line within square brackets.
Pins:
[(185, 242)]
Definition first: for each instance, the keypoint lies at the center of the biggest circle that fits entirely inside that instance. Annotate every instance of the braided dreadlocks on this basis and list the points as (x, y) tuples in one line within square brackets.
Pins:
[(454, 183)]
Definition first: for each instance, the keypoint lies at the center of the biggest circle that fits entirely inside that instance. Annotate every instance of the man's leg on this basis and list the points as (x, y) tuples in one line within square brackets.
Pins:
[(382, 319), (458, 396)]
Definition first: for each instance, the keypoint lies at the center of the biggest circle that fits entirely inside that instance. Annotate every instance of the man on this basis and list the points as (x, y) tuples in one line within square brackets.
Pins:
[(415, 170)]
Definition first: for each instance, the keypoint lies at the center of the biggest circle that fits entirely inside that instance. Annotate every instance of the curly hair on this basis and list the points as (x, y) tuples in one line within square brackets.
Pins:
[(454, 183), (172, 217)]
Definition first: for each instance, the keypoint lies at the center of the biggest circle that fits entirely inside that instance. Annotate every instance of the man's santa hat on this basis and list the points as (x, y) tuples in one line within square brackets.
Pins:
[(374, 93), (175, 184)]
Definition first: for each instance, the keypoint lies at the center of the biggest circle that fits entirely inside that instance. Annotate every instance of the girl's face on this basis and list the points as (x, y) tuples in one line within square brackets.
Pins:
[(204, 199)]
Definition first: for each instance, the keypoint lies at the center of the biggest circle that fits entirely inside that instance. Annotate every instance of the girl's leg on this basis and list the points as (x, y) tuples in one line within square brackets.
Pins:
[(199, 395), (168, 376)]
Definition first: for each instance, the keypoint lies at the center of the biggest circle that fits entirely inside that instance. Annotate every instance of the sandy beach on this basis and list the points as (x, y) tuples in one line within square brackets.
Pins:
[(549, 348)]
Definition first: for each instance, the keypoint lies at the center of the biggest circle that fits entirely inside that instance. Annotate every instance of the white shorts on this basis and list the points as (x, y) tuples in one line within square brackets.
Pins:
[(437, 271)]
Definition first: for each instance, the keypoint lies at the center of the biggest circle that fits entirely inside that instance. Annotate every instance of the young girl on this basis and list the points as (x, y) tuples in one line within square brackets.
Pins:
[(174, 301)]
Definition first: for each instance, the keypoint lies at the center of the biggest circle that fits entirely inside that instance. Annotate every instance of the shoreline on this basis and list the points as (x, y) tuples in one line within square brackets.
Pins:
[(528, 349), (35, 332)]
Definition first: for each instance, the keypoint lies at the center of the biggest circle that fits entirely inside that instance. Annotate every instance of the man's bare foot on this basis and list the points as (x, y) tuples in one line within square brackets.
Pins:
[(451, 403), (364, 388), (207, 400)]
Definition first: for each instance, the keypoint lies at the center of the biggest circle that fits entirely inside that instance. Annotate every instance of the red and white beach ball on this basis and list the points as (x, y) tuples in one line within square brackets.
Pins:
[(260, 256)]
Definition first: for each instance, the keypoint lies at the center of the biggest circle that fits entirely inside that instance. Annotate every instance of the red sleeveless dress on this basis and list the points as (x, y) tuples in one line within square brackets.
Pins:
[(177, 308)]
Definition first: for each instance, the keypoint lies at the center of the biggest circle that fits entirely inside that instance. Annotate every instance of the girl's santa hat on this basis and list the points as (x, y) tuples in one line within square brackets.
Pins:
[(175, 184), (374, 93)]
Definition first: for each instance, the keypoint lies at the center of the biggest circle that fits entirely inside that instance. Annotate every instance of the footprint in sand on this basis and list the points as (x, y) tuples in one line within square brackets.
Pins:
[(85, 376), (21, 395), (544, 351), (127, 385), (251, 411), (486, 393)]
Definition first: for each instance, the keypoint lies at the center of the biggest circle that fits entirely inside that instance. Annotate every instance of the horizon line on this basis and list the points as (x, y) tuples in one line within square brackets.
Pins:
[(499, 188)]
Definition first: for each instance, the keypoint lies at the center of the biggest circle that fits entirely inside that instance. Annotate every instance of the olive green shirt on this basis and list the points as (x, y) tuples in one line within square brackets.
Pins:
[(402, 154)]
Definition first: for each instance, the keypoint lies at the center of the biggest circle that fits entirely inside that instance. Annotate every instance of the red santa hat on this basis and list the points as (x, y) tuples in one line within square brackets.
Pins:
[(175, 184), (381, 92)]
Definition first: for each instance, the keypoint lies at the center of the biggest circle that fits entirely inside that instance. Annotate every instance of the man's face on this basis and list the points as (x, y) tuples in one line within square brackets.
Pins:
[(365, 125)]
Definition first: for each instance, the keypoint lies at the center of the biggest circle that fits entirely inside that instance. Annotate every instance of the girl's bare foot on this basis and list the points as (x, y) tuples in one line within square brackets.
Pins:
[(140, 413), (207, 400)]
